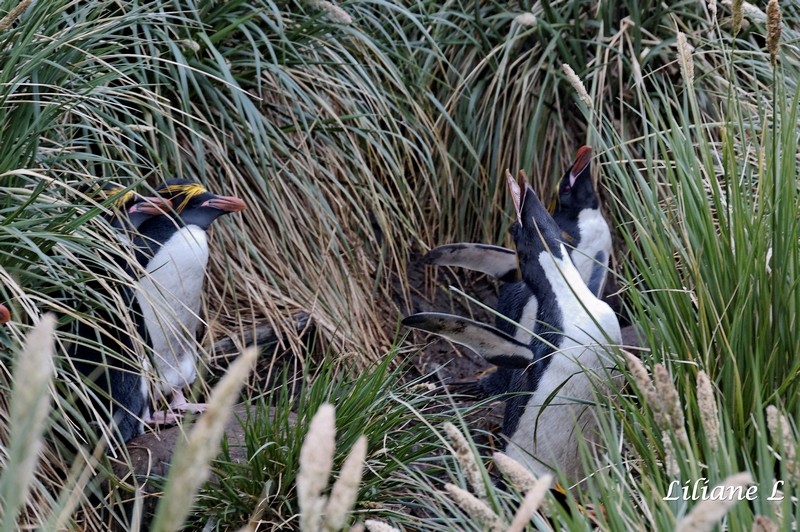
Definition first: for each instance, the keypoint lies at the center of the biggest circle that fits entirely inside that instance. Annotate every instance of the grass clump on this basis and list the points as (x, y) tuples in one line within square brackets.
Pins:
[(267, 488)]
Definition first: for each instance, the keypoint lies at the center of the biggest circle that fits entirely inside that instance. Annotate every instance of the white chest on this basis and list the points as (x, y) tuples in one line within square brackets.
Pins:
[(595, 244), (527, 321), (169, 295), (548, 436)]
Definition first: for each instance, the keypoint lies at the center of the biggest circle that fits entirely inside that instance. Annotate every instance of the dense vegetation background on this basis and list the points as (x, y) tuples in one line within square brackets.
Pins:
[(361, 132)]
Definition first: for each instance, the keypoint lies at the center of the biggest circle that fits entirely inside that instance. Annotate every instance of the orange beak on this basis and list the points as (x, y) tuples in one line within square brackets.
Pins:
[(582, 160), (5, 315), (152, 205), (226, 203)]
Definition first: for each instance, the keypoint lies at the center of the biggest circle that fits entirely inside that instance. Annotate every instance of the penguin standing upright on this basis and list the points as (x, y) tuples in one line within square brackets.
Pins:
[(576, 324), (107, 358), (173, 251), (549, 375)]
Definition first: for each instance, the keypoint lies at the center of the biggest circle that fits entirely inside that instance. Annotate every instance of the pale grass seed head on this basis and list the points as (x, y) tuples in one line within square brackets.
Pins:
[(737, 15), (685, 59), (752, 12), (29, 407), (707, 514), (670, 402), (762, 523), (378, 526), (526, 19), (577, 84), (639, 373), (190, 467), (14, 14), (475, 508), (345, 490), (516, 473), (466, 458), (708, 410), (712, 9), (530, 505), (781, 433), (316, 462), (670, 462), (336, 13), (773, 30), (189, 44), (646, 389)]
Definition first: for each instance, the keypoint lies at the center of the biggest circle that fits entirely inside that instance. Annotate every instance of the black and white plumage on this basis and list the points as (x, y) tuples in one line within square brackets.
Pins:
[(587, 237), (107, 358), (584, 230), (578, 215), (555, 365), (173, 251)]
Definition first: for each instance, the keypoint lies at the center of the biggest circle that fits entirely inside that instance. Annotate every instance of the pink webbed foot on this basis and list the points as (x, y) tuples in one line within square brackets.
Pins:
[(177, 406), (179, 403)]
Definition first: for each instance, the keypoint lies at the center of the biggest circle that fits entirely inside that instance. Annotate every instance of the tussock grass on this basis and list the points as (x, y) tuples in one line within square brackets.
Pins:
[(356, 136), (395, 417)]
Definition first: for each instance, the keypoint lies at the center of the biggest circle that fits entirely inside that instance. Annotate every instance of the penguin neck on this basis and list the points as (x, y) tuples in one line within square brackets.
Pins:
[(564, 279), (568, 221), (157, 231)]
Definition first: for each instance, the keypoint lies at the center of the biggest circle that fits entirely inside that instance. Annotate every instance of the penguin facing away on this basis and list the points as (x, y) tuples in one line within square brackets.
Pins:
[(571, 325), (173, 251), (117, 378)]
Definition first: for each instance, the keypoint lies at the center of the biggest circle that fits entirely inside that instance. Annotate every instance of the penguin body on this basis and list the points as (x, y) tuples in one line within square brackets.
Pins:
[(551, 390), (107, 358), (169, 296), (588, 238), (173, 251), (574, 324)]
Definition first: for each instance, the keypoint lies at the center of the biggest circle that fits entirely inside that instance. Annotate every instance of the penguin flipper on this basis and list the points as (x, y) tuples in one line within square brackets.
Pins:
[(495, 346), (496, 261)]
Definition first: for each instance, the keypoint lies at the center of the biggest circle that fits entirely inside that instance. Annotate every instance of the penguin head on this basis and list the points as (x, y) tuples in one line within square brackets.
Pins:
[(129, 209), (576, 191), (5, 315), (535, 231), (194, 205)]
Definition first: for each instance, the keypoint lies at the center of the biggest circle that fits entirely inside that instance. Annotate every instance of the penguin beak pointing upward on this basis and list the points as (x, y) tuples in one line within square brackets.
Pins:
[(516, 195), (5, 315), (225, 203), (152, 205), (582, 160), (538, 231)]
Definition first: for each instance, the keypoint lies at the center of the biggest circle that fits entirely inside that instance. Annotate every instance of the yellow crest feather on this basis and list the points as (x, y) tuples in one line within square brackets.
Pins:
[(189, 191)]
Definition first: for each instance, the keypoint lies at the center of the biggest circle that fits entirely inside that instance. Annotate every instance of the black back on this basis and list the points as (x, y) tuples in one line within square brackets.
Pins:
[(116, 378)]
